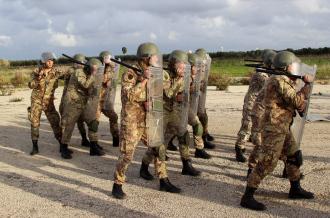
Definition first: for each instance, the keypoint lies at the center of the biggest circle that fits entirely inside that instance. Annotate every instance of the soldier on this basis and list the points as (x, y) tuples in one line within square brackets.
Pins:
[(108, 110), (193, 120), (80, 123), (176, 97), (43, 84), (281, 100), (78, 97), (134, 95), (202, 115), (257, 81)]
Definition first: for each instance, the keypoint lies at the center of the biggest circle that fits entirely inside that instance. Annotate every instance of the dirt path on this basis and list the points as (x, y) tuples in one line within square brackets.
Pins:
[(47, 186)]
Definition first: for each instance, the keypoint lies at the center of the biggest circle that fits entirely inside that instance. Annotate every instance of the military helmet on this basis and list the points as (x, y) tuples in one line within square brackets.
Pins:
[(265, 52), (104, 54), (94, 62), (146, 50), (202, 53), (178, 56), (80, 57), (284, 59), (45, 56), (193, 58), (269, 57)]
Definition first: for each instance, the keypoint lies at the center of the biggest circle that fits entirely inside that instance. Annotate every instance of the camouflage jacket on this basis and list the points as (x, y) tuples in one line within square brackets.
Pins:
[(280, 101), (66, 79), (43, 87), (172, 87), (258, 110), (107, 78), (79, 88)]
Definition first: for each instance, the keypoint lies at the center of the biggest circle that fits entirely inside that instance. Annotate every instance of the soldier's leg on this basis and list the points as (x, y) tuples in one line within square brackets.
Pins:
[(95, 148), (272, 146), (54, 120), (197, 136), (34, 114), (113, 122), (254, 156), (243, 134), (81, 127), (204, 119)]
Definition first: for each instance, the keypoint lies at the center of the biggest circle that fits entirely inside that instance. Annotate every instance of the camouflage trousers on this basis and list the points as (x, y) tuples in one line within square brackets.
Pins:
[(246, 124), (71, 114), (129, 139), (80, 122), (113, 118), (197, 127), (34, 114), (274, 145), (204, 119)]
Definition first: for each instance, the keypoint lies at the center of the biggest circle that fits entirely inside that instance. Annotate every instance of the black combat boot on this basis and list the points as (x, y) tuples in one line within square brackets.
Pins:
[(249, 202), (144, 172), (201, 153), (67, 148), (117, 191), (115, 141), (208, 144), (85, 142), (35, 148), (209, 137), (65, 153), (167, 186), (239, 155), (95, 149), (297, 192), (249, 172), (188, 169), (171, 146)]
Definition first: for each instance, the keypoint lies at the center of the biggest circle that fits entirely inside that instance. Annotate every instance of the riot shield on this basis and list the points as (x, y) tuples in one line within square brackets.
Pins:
[(204, 81), (183, 107), (195, 88), (89, 113), (298, 125), (110, 92), (154, 115)]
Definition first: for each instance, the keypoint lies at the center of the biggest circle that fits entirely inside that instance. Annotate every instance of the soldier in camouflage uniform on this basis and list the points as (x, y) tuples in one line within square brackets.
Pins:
[(280, 101), (109, 66), (133, 121), (75, 100), (80, 122), (193, 119), (202, 115), (43, 84), (173, 98), (257, 81)]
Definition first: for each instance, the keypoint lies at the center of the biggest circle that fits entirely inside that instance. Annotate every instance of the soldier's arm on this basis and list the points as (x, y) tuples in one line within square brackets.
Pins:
[(82, 79), (290, 95), (170, 89), (134, 90), (63, 74), (33, 83)]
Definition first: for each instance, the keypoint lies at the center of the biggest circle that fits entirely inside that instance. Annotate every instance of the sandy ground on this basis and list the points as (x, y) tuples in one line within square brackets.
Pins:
[(47, 186)]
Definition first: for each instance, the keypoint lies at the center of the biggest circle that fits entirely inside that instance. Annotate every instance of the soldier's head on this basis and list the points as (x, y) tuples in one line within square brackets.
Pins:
[(48, 59), (268, 58), (287, 61), (194, 62), (148, 54), (105, 57), (177, 62), (81, 58), (92, 65)]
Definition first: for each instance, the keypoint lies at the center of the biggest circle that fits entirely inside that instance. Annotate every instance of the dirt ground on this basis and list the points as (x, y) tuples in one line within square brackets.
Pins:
[(47, 186)]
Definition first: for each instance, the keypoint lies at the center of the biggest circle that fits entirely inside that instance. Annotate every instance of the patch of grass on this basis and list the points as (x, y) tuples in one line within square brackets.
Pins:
[(16, 99), (220, 81)]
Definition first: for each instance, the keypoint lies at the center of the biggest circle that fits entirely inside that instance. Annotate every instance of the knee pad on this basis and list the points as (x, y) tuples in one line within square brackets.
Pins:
[(93, 126), (296, 159), (184, 139), (198, 129), (160, 152)]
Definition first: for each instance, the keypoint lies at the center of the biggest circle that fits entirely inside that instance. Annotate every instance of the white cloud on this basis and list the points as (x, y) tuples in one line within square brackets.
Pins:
[(63, 40), (311, 6), (152, 36), (5, 40), (172, 35), (211, 22)]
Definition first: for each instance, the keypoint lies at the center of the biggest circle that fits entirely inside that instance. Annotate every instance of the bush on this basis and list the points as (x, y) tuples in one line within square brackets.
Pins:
[(4, 63), (19, 79), (17, 99), (220, 81)]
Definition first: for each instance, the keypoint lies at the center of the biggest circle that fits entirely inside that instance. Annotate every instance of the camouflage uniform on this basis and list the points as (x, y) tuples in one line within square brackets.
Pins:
[(133, 127), (75, 102), (42, 99), (111, 114), (80, 122), (256, 83), (281, 101)]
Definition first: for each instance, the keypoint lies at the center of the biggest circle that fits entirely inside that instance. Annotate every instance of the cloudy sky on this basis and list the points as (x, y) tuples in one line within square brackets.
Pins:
[(29, 27)]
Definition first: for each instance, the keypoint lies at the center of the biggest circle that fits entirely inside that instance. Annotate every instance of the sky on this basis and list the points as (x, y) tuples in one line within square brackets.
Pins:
[(30, 27)]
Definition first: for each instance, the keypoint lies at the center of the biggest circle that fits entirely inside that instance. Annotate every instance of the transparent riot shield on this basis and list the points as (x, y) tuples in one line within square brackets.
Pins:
[(204, 81), (183, 107), (110, 93), (298, 125), (195, 88), (154, 115), (89, 113)]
